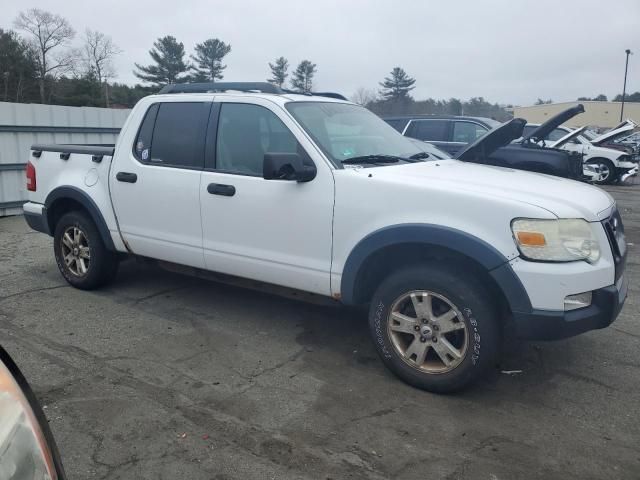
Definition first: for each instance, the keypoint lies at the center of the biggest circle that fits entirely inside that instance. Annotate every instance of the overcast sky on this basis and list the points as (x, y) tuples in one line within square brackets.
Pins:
[(506, 51)]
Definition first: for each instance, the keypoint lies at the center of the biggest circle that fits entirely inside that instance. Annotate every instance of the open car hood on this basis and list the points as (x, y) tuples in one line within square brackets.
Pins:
[(567, 137), (620, 130), (493, 140), (550, 125)]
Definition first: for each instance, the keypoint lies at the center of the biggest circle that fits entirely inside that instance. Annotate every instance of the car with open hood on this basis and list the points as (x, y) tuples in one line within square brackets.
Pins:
[(611, 164)]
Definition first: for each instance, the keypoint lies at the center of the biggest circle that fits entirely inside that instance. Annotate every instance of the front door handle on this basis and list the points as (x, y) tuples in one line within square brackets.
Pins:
[(126, 177), (220, 189)]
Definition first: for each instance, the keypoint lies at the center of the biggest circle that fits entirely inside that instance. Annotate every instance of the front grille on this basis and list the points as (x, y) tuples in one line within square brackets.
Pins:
[(617, 241)]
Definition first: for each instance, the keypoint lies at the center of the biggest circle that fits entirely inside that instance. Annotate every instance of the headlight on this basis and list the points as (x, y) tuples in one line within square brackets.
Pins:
[(563, 240), (25, 452)]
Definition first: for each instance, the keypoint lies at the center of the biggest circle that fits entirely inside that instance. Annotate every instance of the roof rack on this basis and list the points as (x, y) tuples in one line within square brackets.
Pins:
[(262, 87)]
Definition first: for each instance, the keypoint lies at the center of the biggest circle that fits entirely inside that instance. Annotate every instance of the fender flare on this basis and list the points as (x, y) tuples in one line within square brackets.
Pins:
[(496, 264), (87, 202)]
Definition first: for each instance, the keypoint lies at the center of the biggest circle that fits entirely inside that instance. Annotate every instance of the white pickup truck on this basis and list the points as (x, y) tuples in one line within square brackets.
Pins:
[(317, 194)]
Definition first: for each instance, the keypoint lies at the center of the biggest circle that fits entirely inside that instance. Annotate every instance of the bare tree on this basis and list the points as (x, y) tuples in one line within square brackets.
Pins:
[(50, 32), (98, 54), (364, 96)]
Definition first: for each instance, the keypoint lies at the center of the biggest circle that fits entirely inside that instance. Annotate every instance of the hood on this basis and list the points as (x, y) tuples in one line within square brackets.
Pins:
[(622, 129), (493, 140), (567, 137), (550, 125), (564, 198)]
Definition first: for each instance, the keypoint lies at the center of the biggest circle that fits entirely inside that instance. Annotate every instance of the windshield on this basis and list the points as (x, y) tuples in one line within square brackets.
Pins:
[(345, 131)]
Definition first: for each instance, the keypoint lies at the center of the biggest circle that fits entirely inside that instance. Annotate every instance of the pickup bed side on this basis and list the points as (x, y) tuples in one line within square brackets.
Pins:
[(73, 177)]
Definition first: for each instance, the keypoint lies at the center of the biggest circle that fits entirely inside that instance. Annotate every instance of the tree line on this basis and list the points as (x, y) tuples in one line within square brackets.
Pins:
[(41, 65)]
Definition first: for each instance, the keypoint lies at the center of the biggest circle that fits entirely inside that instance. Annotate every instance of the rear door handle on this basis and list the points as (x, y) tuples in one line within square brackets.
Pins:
[(220, 189), (126, 177)]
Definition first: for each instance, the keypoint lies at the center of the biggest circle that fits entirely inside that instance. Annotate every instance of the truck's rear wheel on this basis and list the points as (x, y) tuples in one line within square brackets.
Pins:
[(436, 330), (80, 253)]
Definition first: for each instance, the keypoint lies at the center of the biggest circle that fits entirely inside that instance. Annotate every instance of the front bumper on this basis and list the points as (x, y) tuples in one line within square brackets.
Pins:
[(554, 325)]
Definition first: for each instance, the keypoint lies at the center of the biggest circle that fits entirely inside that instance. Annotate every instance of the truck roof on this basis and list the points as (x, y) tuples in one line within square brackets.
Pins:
[(279, 99), (250, 89)]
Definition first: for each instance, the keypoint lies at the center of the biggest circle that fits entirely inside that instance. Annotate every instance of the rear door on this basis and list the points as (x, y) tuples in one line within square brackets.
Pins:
[(155, 182)]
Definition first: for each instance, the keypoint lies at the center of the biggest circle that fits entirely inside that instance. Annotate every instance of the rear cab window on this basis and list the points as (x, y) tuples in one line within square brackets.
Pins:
[(173, 134)]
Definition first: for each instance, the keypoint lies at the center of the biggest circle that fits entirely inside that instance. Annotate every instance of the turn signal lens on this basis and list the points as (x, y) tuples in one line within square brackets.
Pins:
[(531, 239)]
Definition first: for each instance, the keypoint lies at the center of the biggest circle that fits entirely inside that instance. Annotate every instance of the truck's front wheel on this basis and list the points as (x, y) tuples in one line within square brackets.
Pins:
[(81, 254), (434, 329)]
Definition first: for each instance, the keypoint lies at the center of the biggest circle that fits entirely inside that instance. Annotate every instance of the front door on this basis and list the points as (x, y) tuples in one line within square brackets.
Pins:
[(155, 183), (276, 231)]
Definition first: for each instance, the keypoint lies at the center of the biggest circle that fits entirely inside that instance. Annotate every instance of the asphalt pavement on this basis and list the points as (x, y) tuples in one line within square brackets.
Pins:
[(164, 376)]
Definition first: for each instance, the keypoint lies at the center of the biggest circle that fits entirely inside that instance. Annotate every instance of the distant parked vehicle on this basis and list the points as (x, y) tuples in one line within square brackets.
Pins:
[(612, 164), (447, 132), (457, 134)]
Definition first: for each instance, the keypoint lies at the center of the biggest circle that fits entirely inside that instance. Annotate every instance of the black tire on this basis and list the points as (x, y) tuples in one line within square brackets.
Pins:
[(608, 165), (467, 296), (102, 265)]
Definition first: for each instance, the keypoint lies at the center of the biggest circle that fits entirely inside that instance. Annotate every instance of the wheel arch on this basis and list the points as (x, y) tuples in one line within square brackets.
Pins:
[(67, 198), (390, 248)]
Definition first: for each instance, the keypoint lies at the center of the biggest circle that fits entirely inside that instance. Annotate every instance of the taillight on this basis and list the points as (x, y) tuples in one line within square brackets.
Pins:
[(31, 177)]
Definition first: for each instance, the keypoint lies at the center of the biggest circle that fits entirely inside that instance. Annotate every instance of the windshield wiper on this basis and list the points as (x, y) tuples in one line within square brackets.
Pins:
[(419, 156), (372, 159)]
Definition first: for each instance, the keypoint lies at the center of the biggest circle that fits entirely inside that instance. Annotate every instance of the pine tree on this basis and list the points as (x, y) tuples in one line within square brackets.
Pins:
[(170, 67), (279, 71), (208, 60), (302, 80), (397, 86)]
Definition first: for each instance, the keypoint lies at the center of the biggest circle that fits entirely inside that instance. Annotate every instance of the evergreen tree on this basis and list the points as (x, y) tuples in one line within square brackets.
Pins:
[(208, 60), (302, 80), (279, 71), (397, 86), (18, 69), (170, 67)]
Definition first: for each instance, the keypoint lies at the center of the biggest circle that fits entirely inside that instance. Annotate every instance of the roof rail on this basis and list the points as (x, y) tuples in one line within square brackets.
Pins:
[(206, 87), (263, 87)]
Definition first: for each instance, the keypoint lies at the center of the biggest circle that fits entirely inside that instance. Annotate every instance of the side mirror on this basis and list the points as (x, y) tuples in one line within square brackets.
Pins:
[(27, 448), (287, 166)]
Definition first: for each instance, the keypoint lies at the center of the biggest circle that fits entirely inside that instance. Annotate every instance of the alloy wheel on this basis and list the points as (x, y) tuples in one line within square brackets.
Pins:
[(428, 331), (76, 254)]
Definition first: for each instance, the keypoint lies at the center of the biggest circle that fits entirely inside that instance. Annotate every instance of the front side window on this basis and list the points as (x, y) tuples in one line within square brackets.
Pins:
[(178, 135), (428, 130), (467, 132), (245, 133), (344, 131)]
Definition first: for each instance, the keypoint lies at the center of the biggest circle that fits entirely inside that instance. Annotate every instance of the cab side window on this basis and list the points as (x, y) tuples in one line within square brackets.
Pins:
[(179, 134), (142, 145), (245, 133), (172, 134)]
